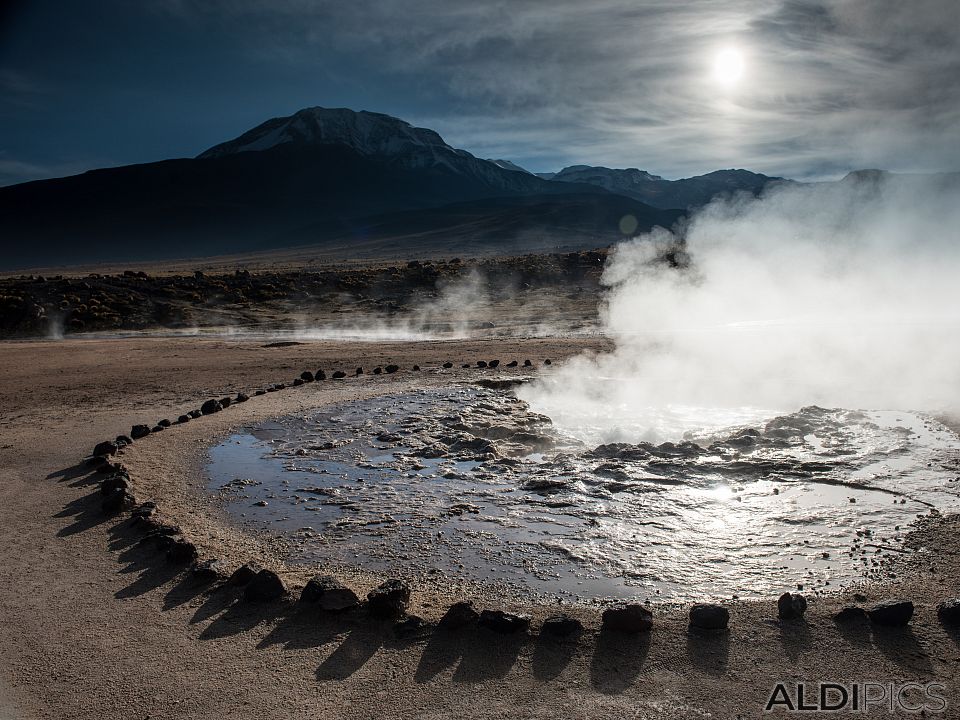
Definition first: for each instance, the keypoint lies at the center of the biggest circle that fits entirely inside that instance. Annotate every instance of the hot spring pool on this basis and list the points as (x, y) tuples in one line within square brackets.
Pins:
[(467, 484)]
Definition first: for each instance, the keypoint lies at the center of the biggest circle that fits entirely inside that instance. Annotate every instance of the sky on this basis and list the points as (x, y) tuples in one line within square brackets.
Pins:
[(806, 89)]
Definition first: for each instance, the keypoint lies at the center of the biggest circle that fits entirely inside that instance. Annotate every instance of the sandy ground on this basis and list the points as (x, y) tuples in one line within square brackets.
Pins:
[(96, 626)]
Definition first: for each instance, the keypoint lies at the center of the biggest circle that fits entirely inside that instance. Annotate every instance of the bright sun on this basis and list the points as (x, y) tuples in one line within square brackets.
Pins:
[(728, 67)]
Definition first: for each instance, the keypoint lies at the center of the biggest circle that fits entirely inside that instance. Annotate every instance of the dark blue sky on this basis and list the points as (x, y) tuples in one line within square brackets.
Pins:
[(820, 86)]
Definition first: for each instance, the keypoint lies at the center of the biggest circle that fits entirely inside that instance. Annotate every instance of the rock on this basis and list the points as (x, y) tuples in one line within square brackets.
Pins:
[(183, 419), (791, 606), (139, 431), (181, 551), (117, 481), (195, 414), (244, 574), (306, 376), (242, 398), (297, 382), (116, 501), (465, 365), (493, 363), (561, 626), (850, 614), (390, 369), (447, 365), (481, 363), (144, 511), (502, 622), (892, 613), (708, 616), (329, 594), (949, 612), (459, 615), (225, 402), (411, 627), (208, 571), (512, 363), (157, 428), (378, 370), (416, 368), (389, 599), (321, 375), (123, 440), (106, 468), (628, 618), (107, 447), (164, 423), (210, 407), (265, 587), (339, 375), (258, 393), (527, 363), (359, 372), (548, 362)]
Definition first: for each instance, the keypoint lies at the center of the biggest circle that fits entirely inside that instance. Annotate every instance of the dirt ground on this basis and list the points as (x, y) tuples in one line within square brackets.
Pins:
[(95, 625)]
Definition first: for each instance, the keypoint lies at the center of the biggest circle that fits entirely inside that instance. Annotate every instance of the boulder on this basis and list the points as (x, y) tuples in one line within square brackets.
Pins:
[(321, 375), (627, 618), (258, 393), (447, 365), (164, 423), (416, 368), (850, 614), (390, 369), (412, 626), (493, 363), (117, 481), (139, 431), (548, 362), (225, 402), (241, 398), (502, 622), (892, 613), (123, 440), (949, 612), (210, 407), (297, 382), (527, 363), (243, 574), (181, 551), (144, 511), (116, 501), (459, 615), (378, 370), (359, 372), (107, 447), (183, 419), (791, 606), (195, 414), (465, 365), (266, 586), (208, 571), (708, 616), (339, 375), (512, 363), (306, 376), (157, 428), (481, 363), (328, 593), (561, 626), (389, 599)]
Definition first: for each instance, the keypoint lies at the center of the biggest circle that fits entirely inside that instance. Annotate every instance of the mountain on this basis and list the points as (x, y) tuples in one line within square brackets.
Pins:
[(507, 165), (654, 190), (310, 177)]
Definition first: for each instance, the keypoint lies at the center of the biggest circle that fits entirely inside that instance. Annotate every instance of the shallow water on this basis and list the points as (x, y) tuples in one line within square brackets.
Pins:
[(468, 483)]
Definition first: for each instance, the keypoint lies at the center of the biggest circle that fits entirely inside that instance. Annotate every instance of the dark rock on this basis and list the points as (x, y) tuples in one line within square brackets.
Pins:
[(448, 365), (527, 363), (321, 375), (297, 382), (512, 363), (547, 362), (144, 511), (561, 626), (210, 407), (225, 402), (208, 571), (106, 467), (892, 613), (412, 627), (630, 618), (791, 606), (157, 428), (181, 551), (107, 447), (359, 372), (465, 365), (339, 375), (123, 440), (272, 388), (329, 594), (306, 376), (242, 398), (195, 414), (493, 363), (139, 431), (97, 461), (183, 419), (117, 481), (851, 614), (389, 599), (459, 615), (481, 363), (378, 370), (416, 368), (165, 423), (502, 622), (244, 574), (707, 616), (116, 501), (258, 393), (949, 612), (390, 369), (265, 587)]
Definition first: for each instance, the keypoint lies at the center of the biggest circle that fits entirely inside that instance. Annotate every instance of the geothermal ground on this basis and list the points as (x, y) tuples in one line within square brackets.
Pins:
[(98, 624)]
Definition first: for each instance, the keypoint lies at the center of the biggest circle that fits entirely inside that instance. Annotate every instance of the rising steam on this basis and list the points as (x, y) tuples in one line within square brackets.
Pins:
[(841, 294)]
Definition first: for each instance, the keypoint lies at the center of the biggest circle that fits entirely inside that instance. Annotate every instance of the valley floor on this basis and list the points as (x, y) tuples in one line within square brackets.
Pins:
[(96, 626)]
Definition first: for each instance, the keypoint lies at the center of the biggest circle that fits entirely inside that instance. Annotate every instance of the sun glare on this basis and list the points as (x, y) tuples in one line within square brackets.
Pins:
[(728, 67)]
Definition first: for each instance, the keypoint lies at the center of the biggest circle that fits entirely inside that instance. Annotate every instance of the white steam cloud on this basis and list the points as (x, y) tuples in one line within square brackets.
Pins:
[(840, 294)]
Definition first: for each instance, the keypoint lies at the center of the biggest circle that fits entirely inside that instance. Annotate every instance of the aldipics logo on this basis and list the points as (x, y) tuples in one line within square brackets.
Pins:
[(864, 697)]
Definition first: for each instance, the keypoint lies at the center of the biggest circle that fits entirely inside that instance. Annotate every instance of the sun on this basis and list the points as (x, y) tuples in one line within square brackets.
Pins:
[(728, 66)]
